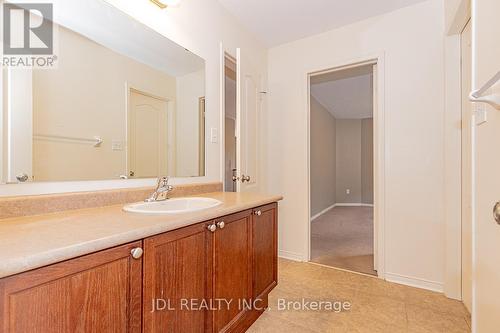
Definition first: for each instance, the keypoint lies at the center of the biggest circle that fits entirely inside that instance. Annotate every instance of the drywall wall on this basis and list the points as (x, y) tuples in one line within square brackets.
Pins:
[(323, 158), (348, 161), (414, 110), (354, 171), (190, 88), (367, 161), (86, 97), (455, 13)]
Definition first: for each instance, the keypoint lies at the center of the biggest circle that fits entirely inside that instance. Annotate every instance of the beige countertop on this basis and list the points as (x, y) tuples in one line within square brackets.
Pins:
[(34, 241)]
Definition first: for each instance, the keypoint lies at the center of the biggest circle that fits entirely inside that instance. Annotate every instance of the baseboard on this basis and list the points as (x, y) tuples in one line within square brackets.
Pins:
[(290, 255), (339, 205), (354, 204), (415, 282), (322, 212)]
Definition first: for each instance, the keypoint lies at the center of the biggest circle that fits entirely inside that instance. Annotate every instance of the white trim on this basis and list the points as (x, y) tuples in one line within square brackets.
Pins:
[(358, 204), (353, 204), (222, 115), (291, 255), (323, 212), (379, 153), (453, 153), (414, 282)]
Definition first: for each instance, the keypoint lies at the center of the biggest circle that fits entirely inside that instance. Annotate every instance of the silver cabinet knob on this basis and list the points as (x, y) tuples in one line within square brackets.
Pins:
[(221, 224), (137, 253), (496, 212), (258, 212), (22, 178), (212, 227), (245, 178)]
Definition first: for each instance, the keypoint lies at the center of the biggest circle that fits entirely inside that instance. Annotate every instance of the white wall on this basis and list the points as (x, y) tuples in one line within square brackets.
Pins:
[(414, 109), (200, 26), (190, 88), (323, 158), (354, 169)]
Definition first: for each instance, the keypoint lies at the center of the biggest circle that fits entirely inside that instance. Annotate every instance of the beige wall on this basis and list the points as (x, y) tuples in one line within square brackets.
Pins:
[(85, 97), (414, 133), (190, 88), (367, 161), (354, 161), (348, 160), (323, 158)]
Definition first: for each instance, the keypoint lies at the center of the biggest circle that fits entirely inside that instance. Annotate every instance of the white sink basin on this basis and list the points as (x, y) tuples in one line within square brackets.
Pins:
[(172, 206)]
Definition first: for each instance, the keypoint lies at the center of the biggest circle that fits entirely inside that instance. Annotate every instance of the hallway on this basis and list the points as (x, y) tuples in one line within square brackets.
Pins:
[(343, 238), (376, 305)]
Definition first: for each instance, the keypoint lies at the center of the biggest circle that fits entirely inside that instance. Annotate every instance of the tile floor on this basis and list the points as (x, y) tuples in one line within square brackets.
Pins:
[(376, 305), (343, 238)]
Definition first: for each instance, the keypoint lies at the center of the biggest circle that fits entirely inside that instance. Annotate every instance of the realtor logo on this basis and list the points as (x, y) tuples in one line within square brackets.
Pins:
[(28, 35)]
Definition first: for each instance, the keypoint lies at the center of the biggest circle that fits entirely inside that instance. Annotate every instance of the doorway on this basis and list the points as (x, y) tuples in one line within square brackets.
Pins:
[(342, 167), (230, 123)]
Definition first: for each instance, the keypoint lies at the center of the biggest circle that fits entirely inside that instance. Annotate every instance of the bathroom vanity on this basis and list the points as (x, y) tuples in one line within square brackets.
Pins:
[(210, 276), (71, 258)]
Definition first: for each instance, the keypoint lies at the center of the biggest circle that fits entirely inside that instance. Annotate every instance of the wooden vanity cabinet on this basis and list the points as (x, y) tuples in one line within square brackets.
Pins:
[(265, 251), (99, 292), (233, 271), (178, 281)]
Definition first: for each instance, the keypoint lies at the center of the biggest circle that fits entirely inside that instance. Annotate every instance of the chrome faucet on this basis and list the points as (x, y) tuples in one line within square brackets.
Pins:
[(161, 191)]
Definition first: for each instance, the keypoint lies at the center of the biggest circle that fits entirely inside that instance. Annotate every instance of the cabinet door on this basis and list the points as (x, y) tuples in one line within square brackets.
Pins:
[(100, 292), (232, 271), (265, 250), (177, 280)]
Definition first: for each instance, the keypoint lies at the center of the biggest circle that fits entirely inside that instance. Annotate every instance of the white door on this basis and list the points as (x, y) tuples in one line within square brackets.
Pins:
[(247, 116), (486, 242), (148, 141)]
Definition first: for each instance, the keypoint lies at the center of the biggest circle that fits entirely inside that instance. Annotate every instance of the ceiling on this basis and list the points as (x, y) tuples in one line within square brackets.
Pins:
[(276, 22), (346, 94)]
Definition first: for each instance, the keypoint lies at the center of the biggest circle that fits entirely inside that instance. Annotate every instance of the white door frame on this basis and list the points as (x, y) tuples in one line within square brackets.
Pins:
[(222, 86), (379, 155), (453, 153)]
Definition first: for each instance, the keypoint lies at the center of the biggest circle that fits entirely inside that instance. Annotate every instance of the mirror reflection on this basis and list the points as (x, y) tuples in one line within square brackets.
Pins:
[(121, 103)]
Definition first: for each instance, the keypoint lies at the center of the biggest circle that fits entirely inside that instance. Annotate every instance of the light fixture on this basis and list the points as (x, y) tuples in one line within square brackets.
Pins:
[(164, 3)]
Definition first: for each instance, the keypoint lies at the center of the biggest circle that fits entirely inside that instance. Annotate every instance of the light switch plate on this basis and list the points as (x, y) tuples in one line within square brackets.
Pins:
[(116, 145), (214, 135)]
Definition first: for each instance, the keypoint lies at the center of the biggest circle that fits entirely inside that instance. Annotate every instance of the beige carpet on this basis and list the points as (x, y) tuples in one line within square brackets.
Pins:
[(343, 238)]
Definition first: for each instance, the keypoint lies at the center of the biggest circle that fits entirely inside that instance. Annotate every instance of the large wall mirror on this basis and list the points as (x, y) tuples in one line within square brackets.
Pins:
[(122, 102)]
